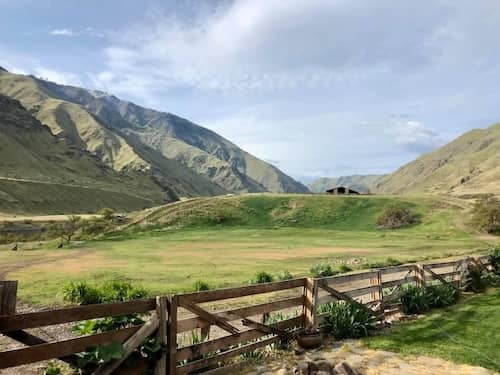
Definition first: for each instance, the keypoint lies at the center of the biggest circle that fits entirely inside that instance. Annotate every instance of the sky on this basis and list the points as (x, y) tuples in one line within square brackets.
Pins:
[(315, 87)]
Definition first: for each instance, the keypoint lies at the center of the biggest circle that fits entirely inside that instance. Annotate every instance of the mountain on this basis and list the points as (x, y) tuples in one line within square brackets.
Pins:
[(361, 183), (41, 172), (468, 165), (182, 157)]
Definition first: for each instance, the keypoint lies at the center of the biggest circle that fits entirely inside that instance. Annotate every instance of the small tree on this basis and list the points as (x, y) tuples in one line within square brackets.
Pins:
[(486, 214), (107, 214), (396, 215)]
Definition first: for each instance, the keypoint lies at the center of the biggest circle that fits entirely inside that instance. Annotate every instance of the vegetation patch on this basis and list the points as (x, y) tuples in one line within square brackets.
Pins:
[(396, 215), (486, 214)]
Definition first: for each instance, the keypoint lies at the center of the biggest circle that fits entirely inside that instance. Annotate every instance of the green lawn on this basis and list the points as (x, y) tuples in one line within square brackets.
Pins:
[(465, 333), (225, 241)]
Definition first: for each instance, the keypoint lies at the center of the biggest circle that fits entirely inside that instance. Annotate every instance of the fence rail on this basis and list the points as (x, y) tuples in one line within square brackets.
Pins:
[(226, 322)]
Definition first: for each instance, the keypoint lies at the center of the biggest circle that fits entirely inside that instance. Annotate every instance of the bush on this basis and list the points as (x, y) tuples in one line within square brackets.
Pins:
[(322, 270), (486, 214), (442, 295), (262, 277), (52, 369), (396, 215), (107, 214), (494, 259), (348, 319), (120, 291), (201, 286), (83, 293), (414, 299), (285, 275), (343, 268), (474, 281)]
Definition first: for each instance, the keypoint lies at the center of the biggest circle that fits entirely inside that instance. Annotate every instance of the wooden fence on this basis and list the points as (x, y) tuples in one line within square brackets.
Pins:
[(205, 329)]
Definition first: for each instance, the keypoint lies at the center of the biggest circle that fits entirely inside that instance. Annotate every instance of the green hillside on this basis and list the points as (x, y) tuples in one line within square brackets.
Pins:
[(468, 165), (361, 183)]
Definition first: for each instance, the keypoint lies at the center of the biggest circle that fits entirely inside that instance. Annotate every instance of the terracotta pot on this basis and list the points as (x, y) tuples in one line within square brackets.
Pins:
[(309, 340)]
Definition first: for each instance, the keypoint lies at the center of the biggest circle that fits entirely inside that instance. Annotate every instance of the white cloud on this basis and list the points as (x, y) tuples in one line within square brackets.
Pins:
[(63, 32), (415, 137), (63, 78)]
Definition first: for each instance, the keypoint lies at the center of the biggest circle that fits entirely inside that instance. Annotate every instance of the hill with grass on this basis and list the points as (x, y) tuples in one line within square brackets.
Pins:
[(361, 183), (469, 165), (302, 211), (40, 172), (180, 156)]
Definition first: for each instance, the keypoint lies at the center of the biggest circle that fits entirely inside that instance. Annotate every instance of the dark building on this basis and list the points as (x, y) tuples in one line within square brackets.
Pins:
[(341, 190)]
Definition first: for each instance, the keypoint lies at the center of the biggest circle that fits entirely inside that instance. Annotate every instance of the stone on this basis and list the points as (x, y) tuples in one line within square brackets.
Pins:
[(283, 371), (324, 366), (344, 369)]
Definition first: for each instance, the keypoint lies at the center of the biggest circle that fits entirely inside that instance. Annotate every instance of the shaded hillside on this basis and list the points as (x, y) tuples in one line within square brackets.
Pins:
[(468, 165), (40, 172), (183, 157), (361, 183)]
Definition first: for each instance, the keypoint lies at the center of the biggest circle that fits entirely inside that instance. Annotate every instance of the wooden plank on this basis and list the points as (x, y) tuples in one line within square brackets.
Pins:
[(396, 269), (62, 348), (172, 307), (73, 314), (161, 312), (442, 264), (8, 297), (236, 314), (310, 300), (266, 329), (343, 296), (353, 294), (129, 346), (344, 279), (224, 342), (439, 277), (224, 356), (390, 284), (204, 314), (221, 294)]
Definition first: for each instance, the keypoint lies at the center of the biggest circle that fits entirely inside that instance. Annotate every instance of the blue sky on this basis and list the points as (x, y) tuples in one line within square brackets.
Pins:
[(317, 87)]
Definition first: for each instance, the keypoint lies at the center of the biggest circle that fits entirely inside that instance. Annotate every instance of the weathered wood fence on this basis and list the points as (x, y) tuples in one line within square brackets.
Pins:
[(207, 329)]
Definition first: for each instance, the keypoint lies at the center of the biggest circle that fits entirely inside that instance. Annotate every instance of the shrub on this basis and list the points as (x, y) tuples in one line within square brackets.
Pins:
[(81, 293), (414, 300), (442, 295), (474, 281), (107, 214), (343, 268), (322, 270), (348, 319), (262, 277), (52, 369), (486, 214), (285, 275), (396, 215), (200, 286), (494, 259)]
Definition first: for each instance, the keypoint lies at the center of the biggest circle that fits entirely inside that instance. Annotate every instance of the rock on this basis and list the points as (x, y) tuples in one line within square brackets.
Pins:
[(344, 369), (324, 366), (324, 373), (283, 371), (301, 369)]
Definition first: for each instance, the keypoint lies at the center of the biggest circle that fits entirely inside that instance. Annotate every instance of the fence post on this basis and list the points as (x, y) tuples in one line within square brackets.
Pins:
[(161, 311), (172, 303), (420, 275), (378, 295), (8, 297), (310, 302)]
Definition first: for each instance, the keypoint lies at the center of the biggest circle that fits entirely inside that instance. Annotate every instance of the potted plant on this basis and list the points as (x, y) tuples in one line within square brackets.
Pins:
[(310, 338)]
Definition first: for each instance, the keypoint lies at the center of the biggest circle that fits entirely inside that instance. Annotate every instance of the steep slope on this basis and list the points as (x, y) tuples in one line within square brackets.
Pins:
[(361, 183), (468, 165), (38, 169), (198, 148), (124, 154)]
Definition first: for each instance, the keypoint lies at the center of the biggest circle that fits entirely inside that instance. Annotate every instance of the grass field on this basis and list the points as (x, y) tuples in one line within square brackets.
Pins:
[(465, 333), (225, 241)]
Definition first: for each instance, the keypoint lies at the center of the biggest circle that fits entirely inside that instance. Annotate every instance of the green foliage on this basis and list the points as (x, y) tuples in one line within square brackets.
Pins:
[(52, 369), (414, 299), (273, 318), (95, 356), (396, 215), (81, 293), (494, 259), (442, 295), (201, 286), (486, 214), (389, 262), (285, 275), (474, 281), (262, 277), (343, 268), (322, 270), (107, 214), (348, 319)]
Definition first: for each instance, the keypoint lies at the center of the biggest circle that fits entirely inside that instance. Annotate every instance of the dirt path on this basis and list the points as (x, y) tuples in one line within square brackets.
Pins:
[(367, 362)]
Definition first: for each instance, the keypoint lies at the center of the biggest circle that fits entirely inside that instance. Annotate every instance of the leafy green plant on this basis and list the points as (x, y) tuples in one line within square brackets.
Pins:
[(348, 319), (201, 286), (81, 293), (414, 300), (322, 270), (343, 268), (52, 369), (442, 295), (262, 277), (95, 356), (396, 215), (285, 275), (474, 281), (486, 214), (494, 258)]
